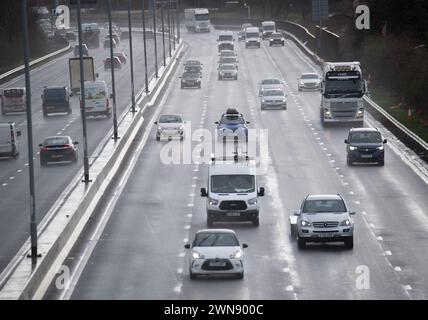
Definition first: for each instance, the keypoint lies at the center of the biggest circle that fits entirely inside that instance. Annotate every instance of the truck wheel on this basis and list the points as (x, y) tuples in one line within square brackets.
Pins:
[(256, 222), (349, 243), (348, 161), (301, 243)]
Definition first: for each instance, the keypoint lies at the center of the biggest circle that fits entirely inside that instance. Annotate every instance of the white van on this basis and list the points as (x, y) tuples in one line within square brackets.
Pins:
[(9, 140), (13, 100), (232, 193), (97, 99), (252, 37), (268, 27)]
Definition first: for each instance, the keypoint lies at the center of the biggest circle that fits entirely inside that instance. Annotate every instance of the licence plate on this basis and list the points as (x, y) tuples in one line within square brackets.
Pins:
[(233, 214), (217, 264), (325, 235), (55, 156), (366, 155)]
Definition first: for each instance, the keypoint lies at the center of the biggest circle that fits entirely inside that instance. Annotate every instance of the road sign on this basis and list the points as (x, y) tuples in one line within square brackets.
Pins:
[(319, 10)]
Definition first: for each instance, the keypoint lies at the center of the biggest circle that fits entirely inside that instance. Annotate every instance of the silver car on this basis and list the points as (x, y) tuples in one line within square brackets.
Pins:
[(216, 252), (273, 98), (270, 84), (227, 71), (309, 81), (170, 126), (323, 218)]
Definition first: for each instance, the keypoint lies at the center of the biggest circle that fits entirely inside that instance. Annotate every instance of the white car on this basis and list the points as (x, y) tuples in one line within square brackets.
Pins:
[(227, 71), (309, 81), (273, 98), (216, 252), (170, 126), (270, 84)]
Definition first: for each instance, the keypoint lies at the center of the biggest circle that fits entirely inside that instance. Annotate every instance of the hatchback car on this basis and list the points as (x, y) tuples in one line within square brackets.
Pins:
[(170, 126), (216, 252), (58, 148), (270, 84), (365, 145), (232, 126), (228, 71), (276, 39), (273, 98), (121, 56), (309, 81), (116, 63), (323, 218)]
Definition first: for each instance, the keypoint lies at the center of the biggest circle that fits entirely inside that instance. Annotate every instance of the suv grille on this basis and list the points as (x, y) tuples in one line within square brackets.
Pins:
[(344, 109), (233, 205), (325, 224)]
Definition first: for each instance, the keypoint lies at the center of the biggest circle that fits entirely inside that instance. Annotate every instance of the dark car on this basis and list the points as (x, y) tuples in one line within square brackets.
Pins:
[(85, 50), (58, 148), (365, 145), (116, 63), (55, 100), (121, 56), (190, 79), (276, 38)]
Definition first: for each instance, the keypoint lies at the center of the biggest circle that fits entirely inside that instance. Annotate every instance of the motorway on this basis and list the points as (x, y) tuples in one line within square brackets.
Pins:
[(52, 180), (134, 249)]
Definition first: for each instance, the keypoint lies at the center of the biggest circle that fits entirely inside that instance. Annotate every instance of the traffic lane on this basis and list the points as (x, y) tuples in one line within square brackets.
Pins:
[(151, 220), (294, 145), (46, 191), (394, 196)]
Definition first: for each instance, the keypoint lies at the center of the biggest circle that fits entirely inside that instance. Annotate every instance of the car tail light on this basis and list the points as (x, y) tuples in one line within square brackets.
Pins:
[(12, 136), (68, 146), (44, 149)]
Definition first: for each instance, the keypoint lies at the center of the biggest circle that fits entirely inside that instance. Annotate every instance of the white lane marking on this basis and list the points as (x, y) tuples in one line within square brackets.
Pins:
[(407, 287), (187, 227), (19, 171), (189, 215), (289, 288), (364, 213), (379, 238), (181, 254), (372, 225), (190, 205), (11, 178), (4, 184), (26, 164), (286, 270), (180, 270), (397, 268), (185, 240), (177, 289), (388, 253)]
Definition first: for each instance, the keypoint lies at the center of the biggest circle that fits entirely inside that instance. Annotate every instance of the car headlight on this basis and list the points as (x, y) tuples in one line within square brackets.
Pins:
[(301, 83), (236, 255), (305, 223), (197, 255), (160, 128), (284, 99), (345, 223), (252, 201), (180, 128), (380, 148), (213, 202), (352, 148), (263, 100)]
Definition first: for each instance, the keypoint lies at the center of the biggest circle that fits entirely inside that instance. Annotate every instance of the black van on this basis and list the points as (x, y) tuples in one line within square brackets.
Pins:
[(56, 100)]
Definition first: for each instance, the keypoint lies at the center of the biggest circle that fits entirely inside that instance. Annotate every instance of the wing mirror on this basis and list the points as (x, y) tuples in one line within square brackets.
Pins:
[(76, 142), (155, 122), (111, 95), (40, 145), (216, 122), (385, 141), (204, 192), (187, 246), (261, 192), (352, 213), (296, 213), (244, 245), (346, 141), (18, 133)]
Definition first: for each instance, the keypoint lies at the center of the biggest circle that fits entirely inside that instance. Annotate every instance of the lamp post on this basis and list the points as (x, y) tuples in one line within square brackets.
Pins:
[(169, 27), (113, 86), (131, 57), (146, 77), (154, 37), (248, 11), (163, 37)]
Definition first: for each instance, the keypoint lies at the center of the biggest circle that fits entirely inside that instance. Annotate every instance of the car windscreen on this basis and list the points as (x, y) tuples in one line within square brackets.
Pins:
[(273, 93), (227, 67), (328, 205), (309, 76), (55, 94), (201, 16), (227, 54), (269, 27), (271, 81), (190, 75), (362, 137), (56, 141), (215, 239), (169, 119), (228, 60), (13, 93), (252, 35), (225, 38), (233, 183), (231, 119)]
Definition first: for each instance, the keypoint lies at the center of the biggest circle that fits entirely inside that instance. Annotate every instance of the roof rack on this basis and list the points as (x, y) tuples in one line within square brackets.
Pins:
[(235, 157)]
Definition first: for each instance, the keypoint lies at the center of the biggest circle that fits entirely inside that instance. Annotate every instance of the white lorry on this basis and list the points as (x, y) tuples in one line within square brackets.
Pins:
[(197, 20), (232, 193), (268, 27), (342, 91), (88, 72)]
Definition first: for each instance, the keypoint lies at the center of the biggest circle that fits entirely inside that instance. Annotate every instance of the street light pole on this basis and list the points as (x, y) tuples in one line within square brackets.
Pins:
[(177, 6), (172, 25), (115, 134), (163, 37), (33, 220), (82, 98), (169, 28), (154, 37), (131, 57), (146, 77)]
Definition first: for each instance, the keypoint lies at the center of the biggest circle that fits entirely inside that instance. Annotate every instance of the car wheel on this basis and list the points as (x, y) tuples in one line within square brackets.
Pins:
[(236, 77), (382, 163), (210, 222), (349, 243), (75, 158), (300, 89), (45, 114), (199, 86), (157, 138), (192, 275), (256, 222), (348, 161), (240, 275), (301, 243), (16, 156), (182, 86), (43, 162)]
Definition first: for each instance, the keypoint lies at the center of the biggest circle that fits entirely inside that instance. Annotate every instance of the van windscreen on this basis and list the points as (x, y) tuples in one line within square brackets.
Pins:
[(233, 183), (13, 93)]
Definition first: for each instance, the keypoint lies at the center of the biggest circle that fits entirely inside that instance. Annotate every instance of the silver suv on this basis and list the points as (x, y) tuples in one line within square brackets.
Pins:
[(323, 218)]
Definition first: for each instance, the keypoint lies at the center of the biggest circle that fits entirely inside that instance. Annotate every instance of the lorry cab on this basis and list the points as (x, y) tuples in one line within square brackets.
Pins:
[(268, 27), (13, 100), (97, 99), (225, 41), (232, 192), (9, 140)]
